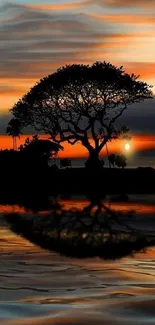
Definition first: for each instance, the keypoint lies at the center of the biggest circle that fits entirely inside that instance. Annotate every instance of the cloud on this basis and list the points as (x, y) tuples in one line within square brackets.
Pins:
[(140, 117), (34, 43), (58, 6), (127, 3), (125, 18)]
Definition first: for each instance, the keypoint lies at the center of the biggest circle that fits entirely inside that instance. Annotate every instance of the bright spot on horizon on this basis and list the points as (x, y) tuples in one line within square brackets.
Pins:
[(127, 146)]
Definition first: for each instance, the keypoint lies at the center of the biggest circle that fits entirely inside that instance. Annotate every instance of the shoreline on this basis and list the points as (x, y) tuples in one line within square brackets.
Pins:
[(42, 182)]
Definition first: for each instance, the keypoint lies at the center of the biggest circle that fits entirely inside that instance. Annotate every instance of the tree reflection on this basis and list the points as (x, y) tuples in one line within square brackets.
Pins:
[(95, 230), (30, 204)]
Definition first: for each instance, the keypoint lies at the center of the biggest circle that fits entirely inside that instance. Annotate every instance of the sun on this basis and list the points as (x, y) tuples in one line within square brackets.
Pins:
[(127, 146)]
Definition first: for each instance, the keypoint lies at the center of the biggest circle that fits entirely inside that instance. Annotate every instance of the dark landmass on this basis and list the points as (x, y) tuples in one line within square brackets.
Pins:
[(27, 172), (37, 179), (107, 181)]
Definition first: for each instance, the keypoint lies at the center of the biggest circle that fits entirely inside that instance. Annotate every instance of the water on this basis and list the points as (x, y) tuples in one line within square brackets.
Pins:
[(133, 161), (39, 286)]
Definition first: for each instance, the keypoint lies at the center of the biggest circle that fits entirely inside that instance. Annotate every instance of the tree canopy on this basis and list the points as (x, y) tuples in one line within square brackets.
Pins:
[(121, 161), (43, 146), (81, 103)]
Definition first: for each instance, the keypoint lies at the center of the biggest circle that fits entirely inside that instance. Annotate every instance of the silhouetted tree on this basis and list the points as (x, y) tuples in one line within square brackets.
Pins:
[(112, 158), (27, 142), (14, 129), (41, 147), (65, 163), (80, 103), (120, 161)]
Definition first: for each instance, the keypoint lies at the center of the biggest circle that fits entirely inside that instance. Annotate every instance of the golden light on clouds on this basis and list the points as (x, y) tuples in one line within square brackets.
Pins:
[(59, 6)]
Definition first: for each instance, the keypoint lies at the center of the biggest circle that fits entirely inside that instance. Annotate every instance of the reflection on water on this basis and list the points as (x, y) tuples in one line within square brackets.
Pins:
[(140, 204), (87, 228), (90, 232), (42, 287)]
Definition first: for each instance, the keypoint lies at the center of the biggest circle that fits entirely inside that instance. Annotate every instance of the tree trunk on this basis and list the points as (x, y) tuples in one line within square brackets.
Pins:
[(108, 154), (93, 161), (14, 143)]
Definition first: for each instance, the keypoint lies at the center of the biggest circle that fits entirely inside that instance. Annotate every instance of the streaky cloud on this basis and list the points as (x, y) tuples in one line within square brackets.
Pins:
[(127, 3)]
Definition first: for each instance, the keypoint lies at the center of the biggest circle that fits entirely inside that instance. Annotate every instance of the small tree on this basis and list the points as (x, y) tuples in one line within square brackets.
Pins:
[(112, 159), (14, 129), (82, 103), (65, 163), (121, 161), (41, 147)]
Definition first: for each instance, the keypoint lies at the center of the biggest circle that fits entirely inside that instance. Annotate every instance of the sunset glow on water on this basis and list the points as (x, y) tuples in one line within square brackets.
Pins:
[(45, 287), (138, 208)]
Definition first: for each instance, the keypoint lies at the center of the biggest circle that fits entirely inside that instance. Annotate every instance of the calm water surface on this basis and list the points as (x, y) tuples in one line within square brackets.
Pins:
[(41, 287)]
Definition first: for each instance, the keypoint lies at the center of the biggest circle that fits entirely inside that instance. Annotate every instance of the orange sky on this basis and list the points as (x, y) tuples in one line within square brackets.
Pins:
[(137, 143)]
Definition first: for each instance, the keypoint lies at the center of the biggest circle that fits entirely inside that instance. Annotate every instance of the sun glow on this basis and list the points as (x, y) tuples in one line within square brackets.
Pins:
[(127, 147)]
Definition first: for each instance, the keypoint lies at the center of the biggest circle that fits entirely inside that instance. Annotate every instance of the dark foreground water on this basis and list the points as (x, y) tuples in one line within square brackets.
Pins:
[(41, 287)]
